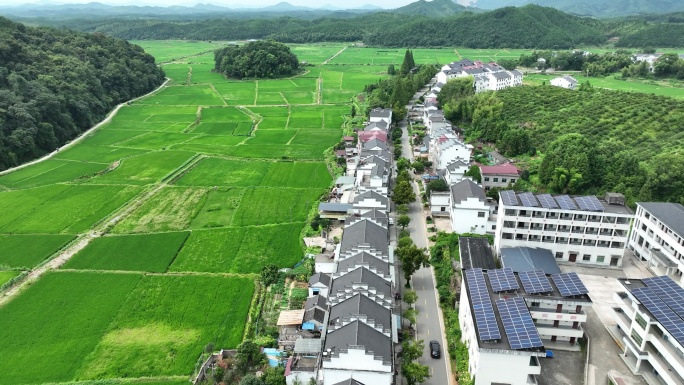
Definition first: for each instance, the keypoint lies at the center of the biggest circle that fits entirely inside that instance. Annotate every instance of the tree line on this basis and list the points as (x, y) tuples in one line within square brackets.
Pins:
[(592, 140), (55, 84)]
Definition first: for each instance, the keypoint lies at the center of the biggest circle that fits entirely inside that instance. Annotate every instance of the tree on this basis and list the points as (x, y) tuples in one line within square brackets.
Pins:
[(456, 89), (571, 152), (410, 297), (514, 142), (403, 221), (391, 70), (474, 172), (403, 193), (403, 164), (404, 241), (415, 373), (437, 185), (269, 274), (353, 111), (258, 59), (412, 258), (251, 379), (274, 376), (402, 209), (565, 181), (410, 315), (418, 167), (249, 356)]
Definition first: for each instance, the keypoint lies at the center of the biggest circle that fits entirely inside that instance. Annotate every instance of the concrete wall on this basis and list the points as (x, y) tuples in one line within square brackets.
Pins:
[(465, 216)]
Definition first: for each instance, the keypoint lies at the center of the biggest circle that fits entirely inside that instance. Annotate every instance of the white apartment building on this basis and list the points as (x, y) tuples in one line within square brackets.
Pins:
[(579, 229), (658, 238), (650, 326)]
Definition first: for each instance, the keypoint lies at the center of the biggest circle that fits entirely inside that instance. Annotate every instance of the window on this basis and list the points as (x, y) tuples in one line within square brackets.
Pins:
[(640, 321), (442, 209), (512, 180), (481, 214), (493, 227), (586, 257), (486, 179), (600, 258), (637, 338), (535, 304), (496, 179), (503, 180), (559, 255), (315, 291)]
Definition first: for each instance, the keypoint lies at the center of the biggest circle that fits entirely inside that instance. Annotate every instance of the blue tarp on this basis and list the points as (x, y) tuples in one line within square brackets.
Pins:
[(308, 326)]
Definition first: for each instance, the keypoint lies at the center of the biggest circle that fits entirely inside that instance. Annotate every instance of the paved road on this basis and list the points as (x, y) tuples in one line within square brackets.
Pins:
[(429, 323)]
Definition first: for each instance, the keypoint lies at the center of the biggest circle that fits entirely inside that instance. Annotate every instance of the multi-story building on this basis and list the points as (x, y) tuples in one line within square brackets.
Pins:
[(467, 206), (500, 176), (486, 76), (658, 237), (380, 115), (650, 323), (581, 229)]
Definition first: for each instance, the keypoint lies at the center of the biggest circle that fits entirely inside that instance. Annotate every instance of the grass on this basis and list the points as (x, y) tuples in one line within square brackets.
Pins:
[(168, 50), (170, 209), (218, 208), (63, 316), (74, 210), (260, 206), (5, 276), (148, 252), (165, 324), (240, 249), (49, 172), (27, 251), (145, 168)]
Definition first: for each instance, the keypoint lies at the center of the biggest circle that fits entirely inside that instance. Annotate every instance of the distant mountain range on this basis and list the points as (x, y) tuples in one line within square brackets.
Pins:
[(434, 8), (595, 8)]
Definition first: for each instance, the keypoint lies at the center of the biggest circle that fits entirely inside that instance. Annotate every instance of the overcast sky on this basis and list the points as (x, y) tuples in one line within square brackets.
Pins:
[(227, 3)]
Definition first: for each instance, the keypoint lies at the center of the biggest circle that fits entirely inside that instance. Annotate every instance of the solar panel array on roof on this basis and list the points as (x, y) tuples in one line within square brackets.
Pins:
[(667, 290), (589, 203), (502, 280), (485, 319), (518, 324), (508, 197), (535, 281), (547, 201), (565, 202), (528, 199), (662, 312), (569, 284)]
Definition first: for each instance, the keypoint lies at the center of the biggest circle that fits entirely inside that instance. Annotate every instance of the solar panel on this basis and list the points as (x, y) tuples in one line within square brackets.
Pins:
[(667, 290), (589, 203), (518, 324), (485, 319), (502, 280), (535, 281), (565, 202), (508, 197), (662, 313), (528, 199), (547, 201), (569, 284)]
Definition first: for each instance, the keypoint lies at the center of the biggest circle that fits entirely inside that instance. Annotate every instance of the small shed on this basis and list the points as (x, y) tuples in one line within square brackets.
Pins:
[(291, 317)]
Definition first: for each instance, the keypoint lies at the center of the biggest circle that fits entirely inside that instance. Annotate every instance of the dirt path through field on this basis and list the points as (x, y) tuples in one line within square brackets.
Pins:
[(319, 90), (335, 55)]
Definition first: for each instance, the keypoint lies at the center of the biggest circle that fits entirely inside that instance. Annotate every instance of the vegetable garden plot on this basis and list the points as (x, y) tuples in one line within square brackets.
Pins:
[(144, 169), (73, 211), (63, 316), (217, 208), (263, 205), (147, 252), (184, 96), (156, 140), (241, 250), (225, 172), (179, 315), (170, 209), (27, 251), (49, 172)]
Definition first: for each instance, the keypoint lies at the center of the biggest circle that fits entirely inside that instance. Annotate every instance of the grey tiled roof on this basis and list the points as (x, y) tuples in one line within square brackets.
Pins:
[(501, 75), (380, 113), (320, 277), (316, 300), (456, 164), (350, 381), (358, 333), (365, 232), (466, 189), (671, 214), (375, 143), (361, 305), (364, 276), (314, 314), (371, 195), (364, 258)]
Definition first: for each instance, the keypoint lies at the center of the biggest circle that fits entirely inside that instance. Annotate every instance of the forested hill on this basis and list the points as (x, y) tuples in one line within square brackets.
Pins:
[(433, 8), (55, 84), (594, 8), (530, 27)]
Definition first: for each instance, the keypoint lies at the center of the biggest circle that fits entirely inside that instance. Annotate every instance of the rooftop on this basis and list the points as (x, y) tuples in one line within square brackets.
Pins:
[(290, 317), (364, 277), (320, 278), (502, 169), (365, 232), (364, 258), (361, 305), (476, 253), (357, 334), (335, 207), (465, 189), (671, 214), (528, 258), (587, 203), (380, 113)]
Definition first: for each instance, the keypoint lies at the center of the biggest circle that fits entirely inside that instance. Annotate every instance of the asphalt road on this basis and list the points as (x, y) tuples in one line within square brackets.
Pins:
[(429, 324)]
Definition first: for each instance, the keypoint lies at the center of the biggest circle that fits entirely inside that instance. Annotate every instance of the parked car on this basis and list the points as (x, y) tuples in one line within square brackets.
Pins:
[(435, 349), (391, 221)]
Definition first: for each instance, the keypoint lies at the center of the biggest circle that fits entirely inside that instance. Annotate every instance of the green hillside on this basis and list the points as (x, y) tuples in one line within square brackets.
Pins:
[(434, 8), (594, 8)]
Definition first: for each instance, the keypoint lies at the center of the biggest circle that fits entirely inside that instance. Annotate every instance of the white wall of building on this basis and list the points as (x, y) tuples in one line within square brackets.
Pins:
[(514, 368), (469, 216), (440, 203), (359, 364), (563, 83)]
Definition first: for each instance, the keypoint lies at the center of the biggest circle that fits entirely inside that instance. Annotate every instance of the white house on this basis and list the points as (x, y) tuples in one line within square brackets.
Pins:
[(658, 238), (447, 151), (440, 203), (581, 229), (486, 76), (370, 200), (319, 284), (649, 325), (498, 176), (380, 114), (566, 81), (470, 211), (499, 80), (649, 58), (454, 171)]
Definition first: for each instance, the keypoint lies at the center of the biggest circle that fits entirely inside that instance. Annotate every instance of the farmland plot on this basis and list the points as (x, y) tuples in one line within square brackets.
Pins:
[(225, 172), (237, 93), (281, 137), (5, 276), (27, 251), (315, 53), (218, 208), (63, 316), (98, 154), (167, 50), (15, 204), (49, 172), (240, 249), (177, 315), (170, 209), (156, 140), (148, 252), (264, 205), (184, 96), (144, 169)]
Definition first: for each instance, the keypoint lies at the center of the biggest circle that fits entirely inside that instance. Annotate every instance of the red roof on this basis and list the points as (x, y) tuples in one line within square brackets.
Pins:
[(502, 169), (348, 138), (341, 152), (370, 135)]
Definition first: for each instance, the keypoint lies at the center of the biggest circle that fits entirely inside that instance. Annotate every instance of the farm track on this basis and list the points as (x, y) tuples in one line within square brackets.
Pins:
[(335, 55)]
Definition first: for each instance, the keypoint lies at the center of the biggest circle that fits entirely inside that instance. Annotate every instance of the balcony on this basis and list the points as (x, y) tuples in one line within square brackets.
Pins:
[(560, 330), (591, 232), (551, 315), (661, 364), (622, 319)]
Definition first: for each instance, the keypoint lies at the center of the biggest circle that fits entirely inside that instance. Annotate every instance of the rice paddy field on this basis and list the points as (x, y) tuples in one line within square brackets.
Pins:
[(175, 205)]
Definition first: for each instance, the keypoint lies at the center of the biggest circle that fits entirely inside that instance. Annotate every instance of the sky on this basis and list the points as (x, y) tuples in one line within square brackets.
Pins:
[(228, 3)]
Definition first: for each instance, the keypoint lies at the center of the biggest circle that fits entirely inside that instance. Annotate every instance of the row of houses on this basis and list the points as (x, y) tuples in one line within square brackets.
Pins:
[(350, 308), (487, 76)]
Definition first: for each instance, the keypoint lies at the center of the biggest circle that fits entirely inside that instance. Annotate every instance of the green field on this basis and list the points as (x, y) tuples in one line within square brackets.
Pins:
[(168, 50), (26, 251), (147, 252), (5, 276), (662, 88)]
